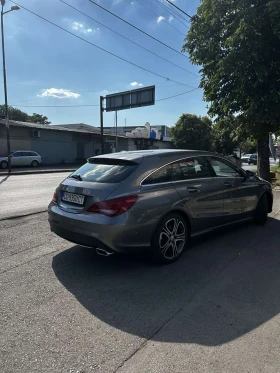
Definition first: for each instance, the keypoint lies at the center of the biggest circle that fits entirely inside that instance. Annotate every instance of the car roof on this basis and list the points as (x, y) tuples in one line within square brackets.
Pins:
[(33, 151), (139, 154)]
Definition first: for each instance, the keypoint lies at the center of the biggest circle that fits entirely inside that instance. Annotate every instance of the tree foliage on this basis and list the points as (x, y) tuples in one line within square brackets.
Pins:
[(229, 136), (225, 136), (21, 116), (192, 132), (237, 45), (38, 118)]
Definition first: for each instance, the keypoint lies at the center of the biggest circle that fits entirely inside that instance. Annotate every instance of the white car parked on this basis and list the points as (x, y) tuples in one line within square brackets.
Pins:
[(22, 158)]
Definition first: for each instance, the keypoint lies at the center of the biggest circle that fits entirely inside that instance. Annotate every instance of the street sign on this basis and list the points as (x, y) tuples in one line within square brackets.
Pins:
[(131, 99)]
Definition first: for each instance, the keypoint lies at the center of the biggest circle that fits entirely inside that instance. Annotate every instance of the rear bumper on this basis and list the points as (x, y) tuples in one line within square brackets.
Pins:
[(102, 233)]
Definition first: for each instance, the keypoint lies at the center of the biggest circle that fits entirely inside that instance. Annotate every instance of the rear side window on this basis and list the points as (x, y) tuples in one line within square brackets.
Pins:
[(106, 170), (163, 175)]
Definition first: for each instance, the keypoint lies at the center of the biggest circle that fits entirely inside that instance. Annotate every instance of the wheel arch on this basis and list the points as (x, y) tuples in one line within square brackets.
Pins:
[(269, 200), (180, 212)]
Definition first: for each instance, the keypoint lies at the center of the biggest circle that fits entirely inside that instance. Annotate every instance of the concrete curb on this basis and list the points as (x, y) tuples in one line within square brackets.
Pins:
[(31, 172)]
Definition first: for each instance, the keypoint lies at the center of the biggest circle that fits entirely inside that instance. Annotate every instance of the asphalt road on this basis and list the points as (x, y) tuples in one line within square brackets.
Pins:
[(64, 309), (25, 194)]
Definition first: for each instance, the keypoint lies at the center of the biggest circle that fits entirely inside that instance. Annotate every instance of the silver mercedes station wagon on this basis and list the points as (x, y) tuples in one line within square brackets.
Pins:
[(154, 200)]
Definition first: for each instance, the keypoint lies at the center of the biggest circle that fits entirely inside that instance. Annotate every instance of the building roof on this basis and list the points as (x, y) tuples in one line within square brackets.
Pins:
[(84, 127), (77, 128)]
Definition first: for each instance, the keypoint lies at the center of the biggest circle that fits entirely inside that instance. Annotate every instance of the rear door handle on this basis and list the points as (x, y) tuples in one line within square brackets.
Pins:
[(228, 184), (192, 189)]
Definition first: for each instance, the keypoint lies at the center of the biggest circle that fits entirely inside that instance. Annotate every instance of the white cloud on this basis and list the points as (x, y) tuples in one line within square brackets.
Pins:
[(59, 93), (170, 19), (136, 84), (77, 26), (160, 18)]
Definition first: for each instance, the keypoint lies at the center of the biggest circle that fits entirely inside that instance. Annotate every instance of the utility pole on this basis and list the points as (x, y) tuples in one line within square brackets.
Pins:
[(5, 90), (116, 131), (5, 81), (101, 124)]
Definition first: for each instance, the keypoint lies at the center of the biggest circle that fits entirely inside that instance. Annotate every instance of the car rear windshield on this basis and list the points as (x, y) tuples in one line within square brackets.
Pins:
[(106, 170)]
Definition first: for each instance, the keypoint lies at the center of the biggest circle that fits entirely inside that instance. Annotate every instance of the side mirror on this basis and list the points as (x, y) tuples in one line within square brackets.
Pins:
[(251, 175)]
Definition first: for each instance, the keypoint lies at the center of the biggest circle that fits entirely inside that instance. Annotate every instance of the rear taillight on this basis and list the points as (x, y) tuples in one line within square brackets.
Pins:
[(113, 207), (54, 197)]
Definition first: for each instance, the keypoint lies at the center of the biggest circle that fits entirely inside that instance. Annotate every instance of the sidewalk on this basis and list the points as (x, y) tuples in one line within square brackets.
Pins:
[(40, 169)]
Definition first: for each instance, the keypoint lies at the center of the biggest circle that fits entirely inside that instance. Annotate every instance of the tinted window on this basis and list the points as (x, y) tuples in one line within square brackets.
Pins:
[(106, 170), (33, 154), (16, 154), (224, 168), (163, 175), (191, 168)]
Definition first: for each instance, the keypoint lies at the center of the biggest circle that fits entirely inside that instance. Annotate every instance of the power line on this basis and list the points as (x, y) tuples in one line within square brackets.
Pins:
[(171, 11), (148, 50), (104, 50), (52, 105), (181, 10), (159, 16), (143, 32), (180, 94), (28, 85), (71, 106), (170, 8)]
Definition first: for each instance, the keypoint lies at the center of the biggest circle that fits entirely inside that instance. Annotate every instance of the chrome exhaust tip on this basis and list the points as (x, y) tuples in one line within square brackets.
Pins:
[(103, 252)]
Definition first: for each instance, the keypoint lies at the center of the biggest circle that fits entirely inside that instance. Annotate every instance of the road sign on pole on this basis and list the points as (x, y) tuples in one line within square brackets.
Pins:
[(125, 100), (131, 99)]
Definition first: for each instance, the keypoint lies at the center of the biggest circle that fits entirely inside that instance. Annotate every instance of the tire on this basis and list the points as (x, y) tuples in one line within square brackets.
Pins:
[(261, 211), (34, 163), (4, 164), (165, 248)]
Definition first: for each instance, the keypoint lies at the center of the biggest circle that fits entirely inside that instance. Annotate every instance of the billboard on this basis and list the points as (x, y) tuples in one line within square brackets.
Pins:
[(131, 99)]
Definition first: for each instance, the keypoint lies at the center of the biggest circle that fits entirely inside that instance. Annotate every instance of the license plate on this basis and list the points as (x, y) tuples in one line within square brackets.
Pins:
[(73, 198)]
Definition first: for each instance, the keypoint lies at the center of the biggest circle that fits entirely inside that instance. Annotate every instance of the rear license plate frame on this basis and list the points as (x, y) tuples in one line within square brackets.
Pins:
[(71, 199)]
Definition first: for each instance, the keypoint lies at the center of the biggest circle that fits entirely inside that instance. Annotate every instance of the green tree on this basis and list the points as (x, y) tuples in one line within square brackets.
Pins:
[(38, 118), (237, 45), (21, 116), (192, 132), (14, 114), (230, 136), (225, 136)]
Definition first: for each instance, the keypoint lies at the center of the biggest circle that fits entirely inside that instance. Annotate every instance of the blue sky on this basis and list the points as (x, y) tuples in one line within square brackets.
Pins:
[(47, 66)]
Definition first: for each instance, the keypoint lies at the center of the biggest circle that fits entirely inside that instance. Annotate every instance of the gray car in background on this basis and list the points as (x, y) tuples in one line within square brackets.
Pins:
[(154, 200), (22, 158)]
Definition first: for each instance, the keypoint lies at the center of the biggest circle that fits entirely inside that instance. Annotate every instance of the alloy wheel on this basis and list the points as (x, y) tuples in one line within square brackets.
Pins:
[(172, 238)]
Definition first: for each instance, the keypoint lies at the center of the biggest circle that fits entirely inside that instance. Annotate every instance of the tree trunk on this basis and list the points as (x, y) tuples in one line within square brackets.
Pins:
[(263, 157)]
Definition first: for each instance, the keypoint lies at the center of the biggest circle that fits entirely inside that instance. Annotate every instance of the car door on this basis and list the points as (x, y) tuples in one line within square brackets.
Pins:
[(16, 159), (26, 159), (201, 192), (232, 178)]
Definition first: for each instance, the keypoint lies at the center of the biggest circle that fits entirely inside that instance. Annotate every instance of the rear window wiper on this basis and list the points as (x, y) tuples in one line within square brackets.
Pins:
[(78, 177)]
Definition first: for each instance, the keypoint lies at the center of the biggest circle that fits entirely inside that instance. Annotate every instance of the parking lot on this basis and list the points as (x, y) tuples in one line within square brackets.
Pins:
[(65, 309)]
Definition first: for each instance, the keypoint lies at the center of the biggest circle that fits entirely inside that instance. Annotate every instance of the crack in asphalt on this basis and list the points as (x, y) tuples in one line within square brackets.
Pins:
[(23, 216)]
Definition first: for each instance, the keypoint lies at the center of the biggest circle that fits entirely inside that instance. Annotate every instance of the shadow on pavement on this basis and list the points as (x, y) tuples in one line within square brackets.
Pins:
[(5, 178), (224, 286)]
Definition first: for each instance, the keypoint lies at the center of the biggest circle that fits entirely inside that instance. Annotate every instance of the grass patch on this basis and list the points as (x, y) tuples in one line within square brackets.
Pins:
[(275, 168)]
